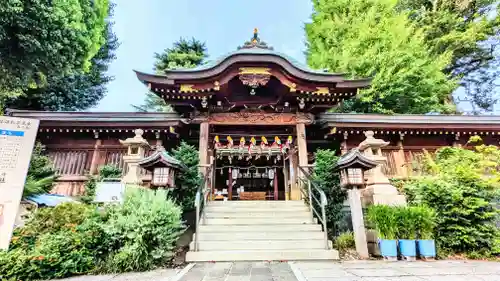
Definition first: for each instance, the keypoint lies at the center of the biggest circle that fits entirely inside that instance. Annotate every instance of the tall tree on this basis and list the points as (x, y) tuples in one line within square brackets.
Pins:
[(47, 38), (370, 38), (468, 29), (183, 54)]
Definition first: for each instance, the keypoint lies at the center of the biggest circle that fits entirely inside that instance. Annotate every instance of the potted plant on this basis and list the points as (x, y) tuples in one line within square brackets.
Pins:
[(383, 219), (425, 223), (407, 232)]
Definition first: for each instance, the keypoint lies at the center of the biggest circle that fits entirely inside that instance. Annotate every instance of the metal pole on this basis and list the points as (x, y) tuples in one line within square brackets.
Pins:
[(325, 230), (197, 203), (309, 191)]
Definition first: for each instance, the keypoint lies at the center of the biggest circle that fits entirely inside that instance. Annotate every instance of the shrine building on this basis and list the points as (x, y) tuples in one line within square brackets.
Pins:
[(256, 115)]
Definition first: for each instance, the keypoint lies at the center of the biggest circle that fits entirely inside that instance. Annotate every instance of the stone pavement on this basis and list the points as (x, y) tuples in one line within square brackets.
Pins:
[(397, 271), (240, 271), (154, 275)]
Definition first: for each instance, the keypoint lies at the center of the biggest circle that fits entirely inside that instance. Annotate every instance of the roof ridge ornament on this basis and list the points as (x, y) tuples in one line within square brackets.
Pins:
[(255, 42)]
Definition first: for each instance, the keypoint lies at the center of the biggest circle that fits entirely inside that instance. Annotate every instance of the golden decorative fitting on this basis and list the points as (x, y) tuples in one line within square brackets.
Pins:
[(216, 85), (292, 86), (255, 70), (322, 91), (187, 88)]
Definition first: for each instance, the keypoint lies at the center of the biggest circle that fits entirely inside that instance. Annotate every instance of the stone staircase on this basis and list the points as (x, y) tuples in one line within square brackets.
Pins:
[(257, 231)]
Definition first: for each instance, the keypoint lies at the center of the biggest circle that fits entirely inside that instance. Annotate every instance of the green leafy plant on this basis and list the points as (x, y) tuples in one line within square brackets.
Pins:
[(41, 174), (187, 181), (328, 180), (384, 219), (143, 230), (75, 238), (462, 187), (406, 222), (345, 241), (425, 221)]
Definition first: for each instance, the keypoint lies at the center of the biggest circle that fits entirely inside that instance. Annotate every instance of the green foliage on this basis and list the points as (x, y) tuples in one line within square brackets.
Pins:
[(45, 38), (74, 238), (425, 221), (41, 174), (76, 91), (328, 180), (183, 54), (384, 219), (371, 38), (462, 187), (467, 29), (414, 222), (105, 172), (144, 230), (345, 241), (188, 181)]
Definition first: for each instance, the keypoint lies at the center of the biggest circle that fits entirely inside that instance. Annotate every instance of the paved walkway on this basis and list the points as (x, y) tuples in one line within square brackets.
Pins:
[(317, 271), (397, 271), (240, 271)]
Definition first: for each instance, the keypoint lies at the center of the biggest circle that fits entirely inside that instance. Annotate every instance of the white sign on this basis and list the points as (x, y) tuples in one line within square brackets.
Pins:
[(109, 192), (17, 138)]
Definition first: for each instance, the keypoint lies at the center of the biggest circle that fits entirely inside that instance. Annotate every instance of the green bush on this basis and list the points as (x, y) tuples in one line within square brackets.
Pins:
[(75, 238), (384, 219), (41, 174), (188, 181), (462, 187), (143, 230), (328, 180), (345, 241)]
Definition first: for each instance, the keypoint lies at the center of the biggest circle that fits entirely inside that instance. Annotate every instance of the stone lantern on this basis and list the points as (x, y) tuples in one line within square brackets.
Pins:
[(352, 167), (136, 148), (378, 190), (162, 166)]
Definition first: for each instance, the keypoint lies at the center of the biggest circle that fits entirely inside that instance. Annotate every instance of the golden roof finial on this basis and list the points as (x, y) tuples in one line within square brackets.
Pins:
[(255, 31)]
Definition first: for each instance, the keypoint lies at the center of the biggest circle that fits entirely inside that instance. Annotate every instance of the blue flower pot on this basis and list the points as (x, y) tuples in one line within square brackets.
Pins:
[(407, 248), (426, 248), (388, 248)]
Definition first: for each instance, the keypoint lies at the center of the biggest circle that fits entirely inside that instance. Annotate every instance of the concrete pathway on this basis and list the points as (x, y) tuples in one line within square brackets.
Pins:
[(240, 271), (316, 271), (154, 275), (397, 271)]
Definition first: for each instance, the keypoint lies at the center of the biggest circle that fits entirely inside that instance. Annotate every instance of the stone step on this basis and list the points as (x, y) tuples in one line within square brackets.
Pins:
[(231, 236), (259, 245), (256, 203), (260, 228), (262, 255), (267, 221), (246, 208), (258, 214)]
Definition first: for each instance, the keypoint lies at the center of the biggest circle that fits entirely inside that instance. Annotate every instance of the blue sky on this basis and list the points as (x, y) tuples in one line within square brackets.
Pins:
[(148, 26)]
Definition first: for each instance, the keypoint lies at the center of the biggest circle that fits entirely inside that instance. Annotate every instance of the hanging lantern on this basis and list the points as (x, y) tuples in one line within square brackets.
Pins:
[(235, 173), (271, 174)]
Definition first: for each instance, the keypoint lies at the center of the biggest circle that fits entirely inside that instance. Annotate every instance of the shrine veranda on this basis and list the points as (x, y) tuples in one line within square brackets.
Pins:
[(259, 115)]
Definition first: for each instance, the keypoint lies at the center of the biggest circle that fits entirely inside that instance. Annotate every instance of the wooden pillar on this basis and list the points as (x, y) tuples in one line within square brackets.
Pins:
[(286, 180), (203, 146), (275, 182), (302, 151), (94, 164), (230, 184)]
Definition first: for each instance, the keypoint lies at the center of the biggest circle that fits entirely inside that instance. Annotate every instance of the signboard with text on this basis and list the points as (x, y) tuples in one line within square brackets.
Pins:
[(17, 138)]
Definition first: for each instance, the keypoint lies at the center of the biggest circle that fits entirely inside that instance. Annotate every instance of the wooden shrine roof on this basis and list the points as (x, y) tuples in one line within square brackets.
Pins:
[(401, 122)]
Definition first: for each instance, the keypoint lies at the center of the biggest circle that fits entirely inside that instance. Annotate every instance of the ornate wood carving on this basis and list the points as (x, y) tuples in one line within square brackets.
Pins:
[(254, 76), (252, 118)]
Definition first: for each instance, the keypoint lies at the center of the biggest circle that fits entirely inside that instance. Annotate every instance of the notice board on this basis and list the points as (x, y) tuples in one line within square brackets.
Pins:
[(17, 138)]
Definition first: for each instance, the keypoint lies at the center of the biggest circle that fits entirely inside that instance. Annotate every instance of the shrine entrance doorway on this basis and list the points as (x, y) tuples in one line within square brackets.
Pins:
[(252, 162)]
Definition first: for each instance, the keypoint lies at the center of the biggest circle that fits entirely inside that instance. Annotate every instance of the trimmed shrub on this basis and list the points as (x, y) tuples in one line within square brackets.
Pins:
[(75, 238)]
